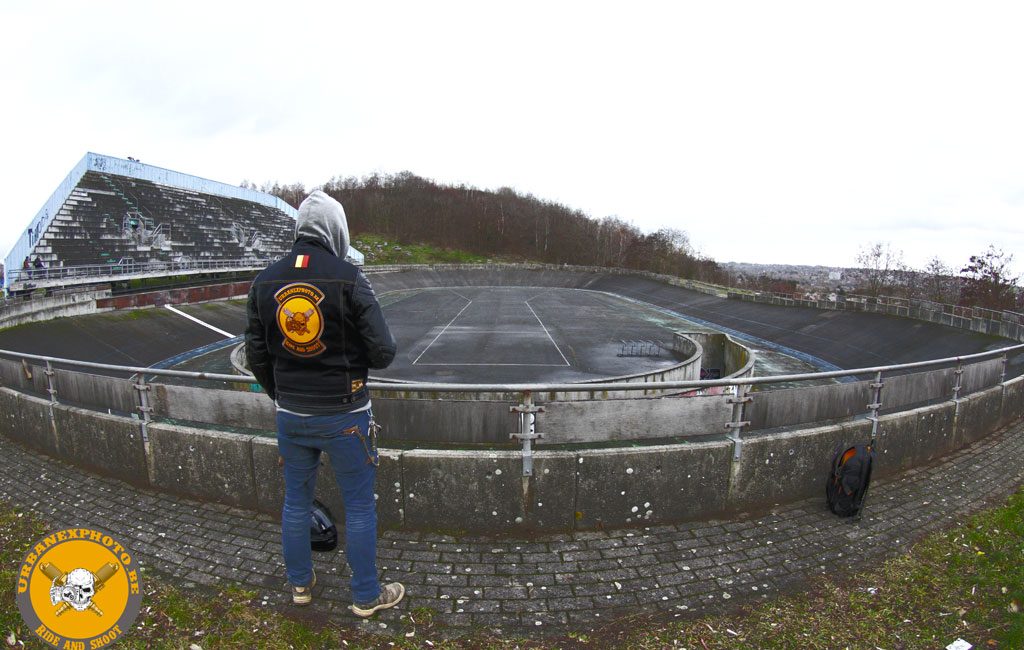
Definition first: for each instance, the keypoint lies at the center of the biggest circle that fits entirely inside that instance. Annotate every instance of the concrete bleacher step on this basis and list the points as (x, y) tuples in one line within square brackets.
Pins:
[(199, 223)]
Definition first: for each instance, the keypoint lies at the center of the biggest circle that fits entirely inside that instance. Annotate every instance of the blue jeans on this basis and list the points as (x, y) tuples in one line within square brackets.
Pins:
[(345, 438)]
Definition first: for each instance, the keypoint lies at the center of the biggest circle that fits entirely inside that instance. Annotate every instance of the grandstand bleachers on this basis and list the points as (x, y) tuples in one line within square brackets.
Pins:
[(110, 218)]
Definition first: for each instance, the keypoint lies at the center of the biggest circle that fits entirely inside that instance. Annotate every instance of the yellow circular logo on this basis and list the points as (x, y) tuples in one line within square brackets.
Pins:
[(300, 320), (79, 589)]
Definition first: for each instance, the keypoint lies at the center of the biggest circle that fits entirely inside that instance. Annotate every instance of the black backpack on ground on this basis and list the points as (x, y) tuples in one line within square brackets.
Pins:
[(323, 534), (848, 481)]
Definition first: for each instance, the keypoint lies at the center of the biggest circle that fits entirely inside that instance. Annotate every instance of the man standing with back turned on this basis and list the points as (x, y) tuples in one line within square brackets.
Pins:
[(315, 328)]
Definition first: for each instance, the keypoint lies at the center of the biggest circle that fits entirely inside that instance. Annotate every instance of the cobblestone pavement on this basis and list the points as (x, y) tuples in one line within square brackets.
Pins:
[(540, 583)]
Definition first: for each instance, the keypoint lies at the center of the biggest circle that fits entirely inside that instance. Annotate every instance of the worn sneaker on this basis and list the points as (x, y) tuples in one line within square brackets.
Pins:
[(303, 595), (390, 595)]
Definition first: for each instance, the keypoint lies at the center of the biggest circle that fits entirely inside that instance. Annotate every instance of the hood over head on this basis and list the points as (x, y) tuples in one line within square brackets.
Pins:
[(323, 219)]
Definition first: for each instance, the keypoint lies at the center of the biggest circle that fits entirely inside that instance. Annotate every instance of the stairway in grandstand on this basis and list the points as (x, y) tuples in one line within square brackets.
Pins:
[(108, 219)]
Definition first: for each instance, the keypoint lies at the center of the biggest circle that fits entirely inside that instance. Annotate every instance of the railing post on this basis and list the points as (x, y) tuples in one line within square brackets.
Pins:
[(875, 405), (144, 409), (957, 385), (527, 429), (1002, 374), (51, 385), (735, 426)]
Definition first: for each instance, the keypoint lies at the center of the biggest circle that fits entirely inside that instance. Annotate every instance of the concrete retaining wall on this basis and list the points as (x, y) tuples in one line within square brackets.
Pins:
[(981, 375), (718, 351), (739, 359), (97, 392), (916, 437), (101, 443), (203, 464), (485, 491), (774, 468), (977, 415), (918, 388), (23, 377), (448, 420), (233, 408), (26, 419), (18, 312), (188, 295), (793, 406), (1013, 401), (651, 485), (634, 419)]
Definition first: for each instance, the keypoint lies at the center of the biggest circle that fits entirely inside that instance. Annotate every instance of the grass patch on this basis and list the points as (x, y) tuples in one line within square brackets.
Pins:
[(965, 583), (380, 250)]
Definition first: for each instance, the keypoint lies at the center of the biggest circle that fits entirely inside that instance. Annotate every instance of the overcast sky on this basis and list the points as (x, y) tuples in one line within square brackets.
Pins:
[(769, 131)]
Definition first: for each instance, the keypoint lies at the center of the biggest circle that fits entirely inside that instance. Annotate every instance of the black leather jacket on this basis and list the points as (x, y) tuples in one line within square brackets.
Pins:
[(315, 328)]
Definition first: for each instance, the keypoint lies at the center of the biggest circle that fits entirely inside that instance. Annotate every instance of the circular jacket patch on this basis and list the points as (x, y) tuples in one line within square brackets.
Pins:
[(299, 319)]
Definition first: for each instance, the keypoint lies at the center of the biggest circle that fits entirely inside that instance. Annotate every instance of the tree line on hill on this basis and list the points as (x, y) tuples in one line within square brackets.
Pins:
[(503, 224)]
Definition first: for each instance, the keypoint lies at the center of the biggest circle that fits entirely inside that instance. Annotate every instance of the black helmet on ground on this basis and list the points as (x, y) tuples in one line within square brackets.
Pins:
[(323, 534)]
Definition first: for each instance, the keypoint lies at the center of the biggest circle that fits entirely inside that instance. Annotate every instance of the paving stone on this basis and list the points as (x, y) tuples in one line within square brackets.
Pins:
[(446, 580), (637, 561), (537, 620), (475, 606), (493, 580), (506, 593), (591, 566), (594, 589), (476, 569), (552, 591), (496, 620), (615, 600), (658, 595), (570, 604), (525, 605)]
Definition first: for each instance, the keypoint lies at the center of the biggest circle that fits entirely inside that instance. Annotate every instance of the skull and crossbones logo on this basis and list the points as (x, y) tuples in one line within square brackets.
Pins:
[(76, 588), (297, 322)]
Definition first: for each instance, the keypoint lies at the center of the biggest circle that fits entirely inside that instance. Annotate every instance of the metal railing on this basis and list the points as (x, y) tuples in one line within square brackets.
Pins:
[(896, 302), (739, 393), (126, 269)]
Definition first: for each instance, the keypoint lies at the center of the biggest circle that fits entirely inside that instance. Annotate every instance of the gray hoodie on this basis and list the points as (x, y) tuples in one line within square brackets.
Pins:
[(322, 218)]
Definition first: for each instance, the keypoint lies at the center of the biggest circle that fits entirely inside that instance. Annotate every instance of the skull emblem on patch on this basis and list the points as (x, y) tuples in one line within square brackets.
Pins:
[(297, 322), (78, 589)]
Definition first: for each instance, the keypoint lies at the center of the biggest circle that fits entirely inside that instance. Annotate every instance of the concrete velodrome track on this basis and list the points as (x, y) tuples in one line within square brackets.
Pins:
[(473, 326)]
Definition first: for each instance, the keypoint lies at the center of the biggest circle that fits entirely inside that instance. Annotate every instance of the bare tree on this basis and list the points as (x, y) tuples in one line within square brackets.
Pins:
[(882, 266), (987, 281), (940, 284)]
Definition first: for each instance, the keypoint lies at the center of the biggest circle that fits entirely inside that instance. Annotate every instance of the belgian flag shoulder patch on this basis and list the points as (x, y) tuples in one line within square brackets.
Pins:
[(301, 261)]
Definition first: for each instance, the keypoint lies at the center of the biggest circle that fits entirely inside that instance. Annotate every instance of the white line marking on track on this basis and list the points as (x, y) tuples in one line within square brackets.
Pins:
[(546, 332), (538, 295), (538, 365), (442, 332), (464, 330), (196, 320)]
